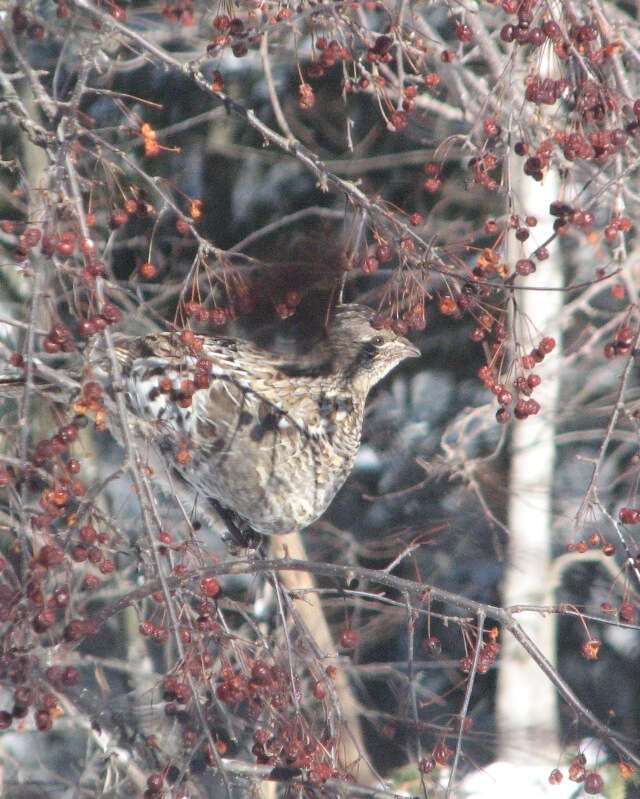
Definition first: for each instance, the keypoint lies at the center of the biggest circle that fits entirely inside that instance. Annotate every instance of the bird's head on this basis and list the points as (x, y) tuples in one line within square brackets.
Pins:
[(361, 352)]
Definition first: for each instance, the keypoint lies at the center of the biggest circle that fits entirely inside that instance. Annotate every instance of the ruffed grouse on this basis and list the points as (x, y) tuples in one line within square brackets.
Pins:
[(268, 438)]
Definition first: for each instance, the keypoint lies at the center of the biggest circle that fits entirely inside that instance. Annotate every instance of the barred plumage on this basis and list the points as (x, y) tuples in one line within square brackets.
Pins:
[(270, 439)]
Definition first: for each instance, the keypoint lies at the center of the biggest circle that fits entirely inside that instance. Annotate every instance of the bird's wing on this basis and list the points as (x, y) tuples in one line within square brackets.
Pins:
[(244, 378)]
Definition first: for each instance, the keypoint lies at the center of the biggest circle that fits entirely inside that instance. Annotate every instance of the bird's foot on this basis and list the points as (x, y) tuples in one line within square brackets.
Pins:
[(240, 537)]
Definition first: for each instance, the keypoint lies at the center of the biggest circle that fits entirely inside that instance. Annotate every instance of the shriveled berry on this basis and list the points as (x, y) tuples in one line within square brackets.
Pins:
[(555, 777), (442, 754), (426, 765), (591, 647), (627, 612)]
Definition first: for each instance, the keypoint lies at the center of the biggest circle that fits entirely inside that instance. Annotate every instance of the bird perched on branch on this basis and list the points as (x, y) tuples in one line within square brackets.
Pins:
[(268, 438)]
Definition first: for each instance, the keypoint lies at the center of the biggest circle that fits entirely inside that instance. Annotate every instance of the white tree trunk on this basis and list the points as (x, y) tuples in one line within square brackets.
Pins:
[(526, 701)]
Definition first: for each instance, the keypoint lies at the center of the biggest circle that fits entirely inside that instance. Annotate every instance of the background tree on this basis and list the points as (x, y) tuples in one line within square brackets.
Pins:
[(470, 170)]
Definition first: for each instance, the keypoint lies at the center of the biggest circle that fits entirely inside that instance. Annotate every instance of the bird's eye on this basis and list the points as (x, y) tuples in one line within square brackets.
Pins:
[(378, 341)]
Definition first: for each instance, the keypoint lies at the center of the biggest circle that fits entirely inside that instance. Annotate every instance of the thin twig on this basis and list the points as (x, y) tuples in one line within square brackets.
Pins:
[(465, 704)]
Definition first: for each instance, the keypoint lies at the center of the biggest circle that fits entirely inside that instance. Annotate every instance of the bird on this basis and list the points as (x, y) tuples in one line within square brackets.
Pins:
[(265, 439)]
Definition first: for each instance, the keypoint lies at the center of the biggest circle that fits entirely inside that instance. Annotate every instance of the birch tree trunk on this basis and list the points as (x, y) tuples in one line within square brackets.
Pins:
[(526, 701)]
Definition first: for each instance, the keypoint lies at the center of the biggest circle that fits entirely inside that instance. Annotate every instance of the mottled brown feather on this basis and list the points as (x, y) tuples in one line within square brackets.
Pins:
[(271, 439)]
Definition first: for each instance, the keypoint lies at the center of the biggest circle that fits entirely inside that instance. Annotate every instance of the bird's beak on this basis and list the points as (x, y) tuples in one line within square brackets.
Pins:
[(408, 349)]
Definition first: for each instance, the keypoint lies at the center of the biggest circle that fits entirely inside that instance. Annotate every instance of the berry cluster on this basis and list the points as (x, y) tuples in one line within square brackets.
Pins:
[(330, 53), (595, 541), (591, 781), (488, 655), (264, 681), (242, 299), (43, 703), (525, 405), (23, 23), (31, 693), (440, 756), (413, 318), (480, 168), (282, 741), (233, 31)]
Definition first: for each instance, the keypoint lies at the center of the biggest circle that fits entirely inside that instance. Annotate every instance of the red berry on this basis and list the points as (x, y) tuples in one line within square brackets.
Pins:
[(148, 271), (525, 266), (547, 345), (534, 380), (87, 246), (87, 328), (221, 22), (155, 783), (399, 120), (464, 32), (111, 312), (629, 515), (507, 33), (442, 754), (426, 765), (593, 783), (118, 13), (118, 218), (43, 720), (319, 690), (627, 612), (88, 534), (50, 346), (370, 265), (209, 586), (348, 638), (50, 555), (65, 247), (70, 675), (61, 597), (555, 777), (625, 335)]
